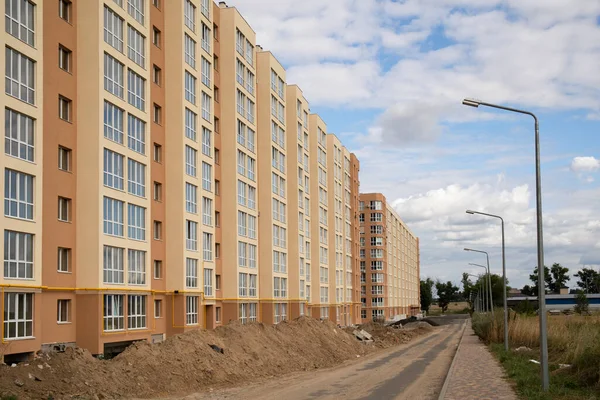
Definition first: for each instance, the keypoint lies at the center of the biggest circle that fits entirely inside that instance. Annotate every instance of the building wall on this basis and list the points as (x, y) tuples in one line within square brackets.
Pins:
[(188, 278), (389, 261)]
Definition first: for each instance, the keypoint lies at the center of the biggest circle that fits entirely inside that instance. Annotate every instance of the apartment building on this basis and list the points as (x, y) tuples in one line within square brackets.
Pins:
[(136, 203), (389, 254)]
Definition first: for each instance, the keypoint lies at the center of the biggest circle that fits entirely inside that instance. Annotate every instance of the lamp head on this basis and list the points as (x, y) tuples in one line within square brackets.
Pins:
[(470, 103), (465, 249), (470, 212)]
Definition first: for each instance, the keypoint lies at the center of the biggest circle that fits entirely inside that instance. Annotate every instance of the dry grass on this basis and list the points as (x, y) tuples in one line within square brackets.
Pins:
[(572, 339), (454, 307)]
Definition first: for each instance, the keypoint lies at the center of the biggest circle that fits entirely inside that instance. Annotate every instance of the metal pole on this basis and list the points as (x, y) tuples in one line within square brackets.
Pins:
[(490, 284), (540, 240), (504, 300), (540, 256)]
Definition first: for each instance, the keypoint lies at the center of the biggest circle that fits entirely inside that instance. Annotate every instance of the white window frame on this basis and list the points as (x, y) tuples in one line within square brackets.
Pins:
[(18, 194), (191, 198), (18, 320), (19, 135), (17, 83), (136, 178), (191, 242), (113, 122), (18, 255), (20, 20), (136, 90), (136, 222), (113, 29), (136, 267), (191, 310), (136, 46), (191, 273)]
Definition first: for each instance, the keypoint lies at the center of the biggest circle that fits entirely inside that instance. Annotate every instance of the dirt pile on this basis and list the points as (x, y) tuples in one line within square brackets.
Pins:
[(386, 336), (186, 363)]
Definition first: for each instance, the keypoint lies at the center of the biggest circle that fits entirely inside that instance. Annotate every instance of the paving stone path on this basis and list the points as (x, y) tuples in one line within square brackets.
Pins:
[(476, 374)]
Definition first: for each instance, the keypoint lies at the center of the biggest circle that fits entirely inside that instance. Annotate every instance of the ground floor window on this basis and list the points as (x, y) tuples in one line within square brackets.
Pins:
[(280, 312), (63, 311), (136, 312), (247, 312), (18, 315), (301, 308), (191, 310), (324, 312), (363, 314), (114, 316), (218, 314), (377, 314)]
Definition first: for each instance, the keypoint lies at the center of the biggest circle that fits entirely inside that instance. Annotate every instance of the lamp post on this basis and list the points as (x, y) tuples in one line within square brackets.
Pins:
[(504, 301), (477, 295), (487, 304), (540, 237), (487, 257)]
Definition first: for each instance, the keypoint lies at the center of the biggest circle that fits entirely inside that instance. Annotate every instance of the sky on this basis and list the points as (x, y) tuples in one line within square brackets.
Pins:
[(388, 77)]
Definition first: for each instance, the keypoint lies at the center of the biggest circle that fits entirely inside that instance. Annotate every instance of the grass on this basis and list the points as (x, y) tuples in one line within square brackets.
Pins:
[(461, 307), (526, 377), (572, 339)]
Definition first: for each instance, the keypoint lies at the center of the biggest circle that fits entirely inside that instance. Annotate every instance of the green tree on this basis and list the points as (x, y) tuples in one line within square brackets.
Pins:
[(589, 280), (446, 293), (581, 303), (534, 279), (426, 294), (497, 288), (467, 288), (528, 291), (560, 276)]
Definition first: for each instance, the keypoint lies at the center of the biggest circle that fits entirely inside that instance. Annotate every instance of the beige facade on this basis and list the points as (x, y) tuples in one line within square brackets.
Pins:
[(389, 265), (160, 175)]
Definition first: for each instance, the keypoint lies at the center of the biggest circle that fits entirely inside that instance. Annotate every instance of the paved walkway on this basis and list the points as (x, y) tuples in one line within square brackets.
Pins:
[(476, 374)]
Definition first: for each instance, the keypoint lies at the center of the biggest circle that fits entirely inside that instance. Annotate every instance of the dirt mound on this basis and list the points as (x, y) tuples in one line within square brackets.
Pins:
[(186, 363), (386, 336)]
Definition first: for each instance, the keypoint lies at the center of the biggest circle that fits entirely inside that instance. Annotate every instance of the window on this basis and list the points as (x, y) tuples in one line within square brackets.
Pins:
[(251, 227), (242, 259), (114, 318), (240, 41), (190, 87), (191, 198), (191, 310), (136, 222), (64, 209), (113, 29), (136, 46), (208, 282), (216, 92), (376, 217), (64, 58), (206, 142), (156, 3), (113, 76), (113, 268), (155, 37), (18, 135), (191, 273), (136, 90), (18, 194), (157, 114), (243, 284), (250, 140), (241, 162), (63, 311), (189, 14), (136, 178), (64, 260), (136, 134), (157, 269), (218, 314), (205, 7), (113, 122), (112, 217), (156, 75), (157, 228), (64, 108), (20, 76), (207, 211), (157, 308), (157, 191), (242, 188), (18, 315), (207, 240), (205, 31), (137, 267), (135, 8), (251, 168), (136, 312), (191, 242), (206, 177), (206, 106), (205, 69), (64, 9), (157, 153), (189, 50), (190, 161), (249, 53), (190, 124), (19, 21)]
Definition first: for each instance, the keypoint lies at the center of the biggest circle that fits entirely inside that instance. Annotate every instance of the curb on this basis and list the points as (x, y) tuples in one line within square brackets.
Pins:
[(450, 370)]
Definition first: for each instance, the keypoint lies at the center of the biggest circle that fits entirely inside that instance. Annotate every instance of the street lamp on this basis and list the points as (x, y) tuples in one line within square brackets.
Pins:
[(487, 257), (540, 238), (488, 303), (505, 303), (477, 299)]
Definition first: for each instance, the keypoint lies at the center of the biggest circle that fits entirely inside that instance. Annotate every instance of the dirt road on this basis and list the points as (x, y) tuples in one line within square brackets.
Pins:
[(413, 371)]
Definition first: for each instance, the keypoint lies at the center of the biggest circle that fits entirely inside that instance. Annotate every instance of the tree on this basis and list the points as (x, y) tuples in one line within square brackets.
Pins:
[(560, 276), (534, 279), (446, 293), (426, 294), (497, 288), (589, 280), (467, 288), (581, 303), (528, 291)]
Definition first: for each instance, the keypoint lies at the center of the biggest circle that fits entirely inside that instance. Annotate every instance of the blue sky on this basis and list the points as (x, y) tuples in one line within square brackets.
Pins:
[(388, 78)]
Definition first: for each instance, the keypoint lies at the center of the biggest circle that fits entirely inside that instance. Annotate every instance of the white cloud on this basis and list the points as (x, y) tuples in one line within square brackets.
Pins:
[(585, 164)]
